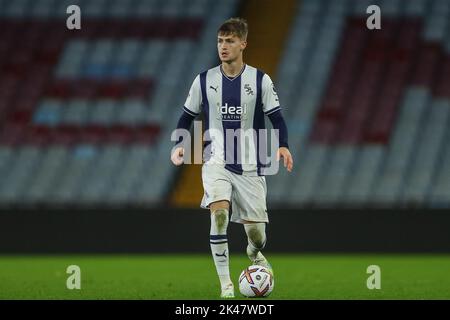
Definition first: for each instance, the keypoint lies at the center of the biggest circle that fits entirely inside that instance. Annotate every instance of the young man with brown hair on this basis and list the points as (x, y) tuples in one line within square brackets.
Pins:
[(234, 97)]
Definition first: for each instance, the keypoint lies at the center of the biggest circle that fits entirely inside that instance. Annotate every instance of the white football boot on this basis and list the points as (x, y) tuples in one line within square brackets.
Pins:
[(260, 260), (228, 291)]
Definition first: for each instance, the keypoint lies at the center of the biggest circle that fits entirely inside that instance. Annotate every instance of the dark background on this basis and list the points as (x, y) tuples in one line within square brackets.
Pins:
[(166, 231)]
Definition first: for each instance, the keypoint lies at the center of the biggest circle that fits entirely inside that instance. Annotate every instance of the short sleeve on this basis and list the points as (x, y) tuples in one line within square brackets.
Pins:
[(270, 100), (194, 99)]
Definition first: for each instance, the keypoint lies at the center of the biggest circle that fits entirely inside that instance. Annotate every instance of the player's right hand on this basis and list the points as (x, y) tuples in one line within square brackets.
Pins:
[(177, 156)]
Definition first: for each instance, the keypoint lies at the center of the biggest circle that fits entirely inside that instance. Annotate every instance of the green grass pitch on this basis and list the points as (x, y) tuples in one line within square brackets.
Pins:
[(193, 276)]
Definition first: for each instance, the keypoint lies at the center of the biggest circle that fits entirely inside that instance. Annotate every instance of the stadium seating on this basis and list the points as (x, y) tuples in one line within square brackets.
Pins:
[(369, 118), (86, 115)]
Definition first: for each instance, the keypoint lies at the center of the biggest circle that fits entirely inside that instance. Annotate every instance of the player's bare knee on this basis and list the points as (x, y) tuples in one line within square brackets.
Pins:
[(257, 240), (256, 236), (220, 218)]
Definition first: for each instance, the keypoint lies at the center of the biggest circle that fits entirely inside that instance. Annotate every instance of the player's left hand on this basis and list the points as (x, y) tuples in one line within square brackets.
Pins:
[(284, 153)]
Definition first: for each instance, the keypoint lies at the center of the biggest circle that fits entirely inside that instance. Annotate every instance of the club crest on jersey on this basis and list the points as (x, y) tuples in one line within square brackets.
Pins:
[(232, 113), (248, 89)]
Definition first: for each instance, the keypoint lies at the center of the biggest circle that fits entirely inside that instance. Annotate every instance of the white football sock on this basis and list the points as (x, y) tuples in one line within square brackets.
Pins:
[(219, 245), (256, 235)]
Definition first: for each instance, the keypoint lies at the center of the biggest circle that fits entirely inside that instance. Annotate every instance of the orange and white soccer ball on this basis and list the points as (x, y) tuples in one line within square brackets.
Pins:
[(256, 281)]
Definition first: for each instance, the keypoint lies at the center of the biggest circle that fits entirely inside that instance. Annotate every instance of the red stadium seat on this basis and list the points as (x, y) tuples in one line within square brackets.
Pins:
[(65, 134), (84, 88), (442, 84), (426, 64), (93, 134), (120, 135), (140, 88), (146, 134), (60, 88), (37, 135), (113, 89), (19, 117), (11, 134)]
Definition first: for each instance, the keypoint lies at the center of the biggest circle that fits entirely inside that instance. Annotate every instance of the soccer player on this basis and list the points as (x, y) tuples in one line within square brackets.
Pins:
[(234, 96)]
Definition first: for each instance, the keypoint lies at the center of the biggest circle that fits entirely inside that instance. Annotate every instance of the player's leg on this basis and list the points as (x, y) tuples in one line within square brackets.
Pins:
[(219, 245), (249, 208), (217, 199), (256, 238)]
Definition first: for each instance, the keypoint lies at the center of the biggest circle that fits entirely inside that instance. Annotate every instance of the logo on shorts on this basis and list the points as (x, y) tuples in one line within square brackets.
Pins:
[(232, 113)]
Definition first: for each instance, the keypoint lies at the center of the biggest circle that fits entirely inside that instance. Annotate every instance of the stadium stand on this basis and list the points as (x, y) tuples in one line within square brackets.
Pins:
[(369, 117), (86, 115)]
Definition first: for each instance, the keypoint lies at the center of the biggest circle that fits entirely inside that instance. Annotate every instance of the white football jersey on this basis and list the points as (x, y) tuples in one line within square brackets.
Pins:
[(229, 104)]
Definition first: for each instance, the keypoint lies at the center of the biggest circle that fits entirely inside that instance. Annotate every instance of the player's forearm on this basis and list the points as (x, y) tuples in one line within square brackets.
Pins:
[(278, 123), (184, 122)]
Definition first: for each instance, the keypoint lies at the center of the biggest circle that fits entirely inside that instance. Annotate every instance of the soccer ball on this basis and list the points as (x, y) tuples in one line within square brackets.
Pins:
[(256, 281)]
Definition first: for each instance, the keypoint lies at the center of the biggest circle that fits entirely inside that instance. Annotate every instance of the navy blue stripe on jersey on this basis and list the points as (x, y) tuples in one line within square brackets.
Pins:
[(192, 113), (217, 237), (205, 107), (258, 122), (231, 96), (273, 110)]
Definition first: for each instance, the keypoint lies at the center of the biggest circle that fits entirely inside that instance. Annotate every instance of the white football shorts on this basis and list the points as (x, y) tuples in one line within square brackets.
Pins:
[(247, 194)]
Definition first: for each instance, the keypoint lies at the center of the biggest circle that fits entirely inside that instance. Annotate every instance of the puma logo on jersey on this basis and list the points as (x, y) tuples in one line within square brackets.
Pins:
[(215, 89)]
